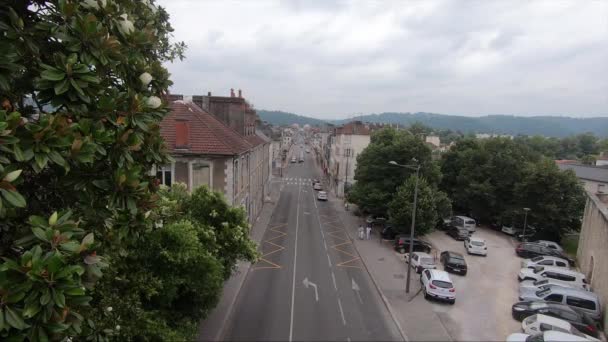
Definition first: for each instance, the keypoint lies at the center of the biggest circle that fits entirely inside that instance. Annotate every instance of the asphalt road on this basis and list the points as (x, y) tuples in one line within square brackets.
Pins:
[(310, 283)]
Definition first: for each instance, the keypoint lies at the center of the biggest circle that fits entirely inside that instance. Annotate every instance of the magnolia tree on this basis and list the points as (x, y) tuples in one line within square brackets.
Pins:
[(81, 84)]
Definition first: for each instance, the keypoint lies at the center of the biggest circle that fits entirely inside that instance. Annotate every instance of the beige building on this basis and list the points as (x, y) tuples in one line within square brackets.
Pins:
[(347, 142), (592, 254)]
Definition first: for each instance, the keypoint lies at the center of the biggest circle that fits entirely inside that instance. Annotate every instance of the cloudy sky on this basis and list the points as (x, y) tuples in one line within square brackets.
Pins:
[(334, 59)]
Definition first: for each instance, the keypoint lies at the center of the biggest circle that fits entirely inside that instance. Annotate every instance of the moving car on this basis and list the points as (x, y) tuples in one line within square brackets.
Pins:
[(536, 285), (475, 245), (420, 261), (372, 219), (578, 319), (549, 244), (293, 159), (540, 323), (531, 250), (453, 262), (315, 181), (317, 186), (437, 284), (402, 244), (557, 273), (463, 222), (388, 233), (545, 260), (547, 336), (585, 301), (322, 196), (458, 233)]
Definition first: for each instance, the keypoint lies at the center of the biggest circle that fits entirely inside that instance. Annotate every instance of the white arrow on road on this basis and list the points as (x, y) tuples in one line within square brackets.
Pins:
[(357, 289), (307, 283)]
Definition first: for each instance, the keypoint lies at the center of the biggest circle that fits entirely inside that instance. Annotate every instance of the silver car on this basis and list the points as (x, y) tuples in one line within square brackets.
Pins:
[(532, 285), (582, 300), (545, 260)]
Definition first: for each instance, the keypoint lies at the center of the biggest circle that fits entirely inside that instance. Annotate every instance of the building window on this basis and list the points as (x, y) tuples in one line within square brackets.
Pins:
[(200, 175), (163, 174), (236, 175)]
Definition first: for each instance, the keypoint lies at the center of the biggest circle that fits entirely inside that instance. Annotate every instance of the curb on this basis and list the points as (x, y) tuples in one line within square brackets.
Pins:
[(384, 299)]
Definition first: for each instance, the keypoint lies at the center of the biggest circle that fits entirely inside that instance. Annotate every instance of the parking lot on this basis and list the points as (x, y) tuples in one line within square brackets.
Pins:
[(484, 296)]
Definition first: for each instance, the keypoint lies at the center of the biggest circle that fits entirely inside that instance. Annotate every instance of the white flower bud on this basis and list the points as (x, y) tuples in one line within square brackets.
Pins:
[(153, 102), (125, 25), (109, 309), (145, 78), (90, 4), (118, 327)]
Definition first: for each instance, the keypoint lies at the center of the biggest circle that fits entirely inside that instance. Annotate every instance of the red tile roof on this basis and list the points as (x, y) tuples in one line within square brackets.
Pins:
[(255, 140), (353, 127), (207, 135)]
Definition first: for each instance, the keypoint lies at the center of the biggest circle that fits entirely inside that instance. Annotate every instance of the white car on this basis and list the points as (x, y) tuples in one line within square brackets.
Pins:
[(545, 260), (322, 196), (547, 336), (539, 323), (549, 244), (475, 245), (293, 159), (437, 284), (510, 230), (420, 261), (537, 285), (317, 186), (559, 273)]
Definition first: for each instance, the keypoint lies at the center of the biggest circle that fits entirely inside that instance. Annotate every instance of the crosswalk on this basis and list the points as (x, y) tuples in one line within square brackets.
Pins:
[(297, 181)]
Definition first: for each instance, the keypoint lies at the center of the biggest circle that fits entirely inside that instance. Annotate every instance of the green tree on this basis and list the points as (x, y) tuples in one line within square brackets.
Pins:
[(556, 198), (377, 180), (429, 202), (588, 159)]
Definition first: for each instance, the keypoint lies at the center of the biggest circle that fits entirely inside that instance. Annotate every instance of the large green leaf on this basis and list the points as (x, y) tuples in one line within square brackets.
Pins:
[(14, 198), (52, 75), (14, 319), (40, 233), (62, 87)]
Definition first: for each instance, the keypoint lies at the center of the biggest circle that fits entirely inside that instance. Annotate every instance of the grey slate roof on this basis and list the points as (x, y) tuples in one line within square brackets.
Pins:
[(592, 173)]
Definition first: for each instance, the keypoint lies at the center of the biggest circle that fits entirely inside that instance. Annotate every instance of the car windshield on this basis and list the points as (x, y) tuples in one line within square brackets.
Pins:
[(442, 284), (538, 269), (541, 282), (470, 222), (535, 338), (543, 292), (538, 258), (457, 260), (477, 243), (427, 261)]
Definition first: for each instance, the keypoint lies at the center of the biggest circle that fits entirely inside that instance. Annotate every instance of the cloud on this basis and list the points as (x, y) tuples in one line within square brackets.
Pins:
[(334, 58)]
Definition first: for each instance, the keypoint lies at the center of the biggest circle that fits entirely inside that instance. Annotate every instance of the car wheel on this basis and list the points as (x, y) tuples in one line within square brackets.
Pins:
[(426, 295), (452, 301), (418, 270)]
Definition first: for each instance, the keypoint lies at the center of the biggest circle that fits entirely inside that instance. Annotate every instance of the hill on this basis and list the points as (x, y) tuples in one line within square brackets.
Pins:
[(555, 126), (279, 118)]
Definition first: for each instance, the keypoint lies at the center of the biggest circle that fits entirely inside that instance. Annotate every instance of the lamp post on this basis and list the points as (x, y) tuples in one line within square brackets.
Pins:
[(526, 210), (411, 247)]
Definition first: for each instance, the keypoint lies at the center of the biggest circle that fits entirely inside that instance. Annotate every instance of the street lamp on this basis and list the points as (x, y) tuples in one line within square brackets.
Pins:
[(411, 249), (524, 238)]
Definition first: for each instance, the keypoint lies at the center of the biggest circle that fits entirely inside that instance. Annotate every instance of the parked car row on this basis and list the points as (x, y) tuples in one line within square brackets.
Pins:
[(555, 301)]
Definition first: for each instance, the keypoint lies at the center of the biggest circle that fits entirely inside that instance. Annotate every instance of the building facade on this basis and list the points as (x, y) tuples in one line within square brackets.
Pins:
[(592, 178), (347, 142)]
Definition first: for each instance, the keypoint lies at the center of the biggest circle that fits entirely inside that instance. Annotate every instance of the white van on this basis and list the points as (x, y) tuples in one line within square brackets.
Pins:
[(463, 222)]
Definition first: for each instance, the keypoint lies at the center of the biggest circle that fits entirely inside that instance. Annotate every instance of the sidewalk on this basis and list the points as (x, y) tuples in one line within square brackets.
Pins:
[(212, 328), (414, 316)]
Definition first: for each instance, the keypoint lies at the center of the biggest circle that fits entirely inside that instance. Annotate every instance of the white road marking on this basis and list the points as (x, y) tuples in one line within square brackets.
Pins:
[(324, 244), (348, 339), (295, 258), (341, 312), (328, 260), (333, 277), (307, 283), (306, 213)]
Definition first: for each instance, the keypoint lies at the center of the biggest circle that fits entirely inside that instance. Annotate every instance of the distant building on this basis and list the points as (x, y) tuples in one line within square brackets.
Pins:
[(602, 160), (592, 178), (492, 135), (433, 140)]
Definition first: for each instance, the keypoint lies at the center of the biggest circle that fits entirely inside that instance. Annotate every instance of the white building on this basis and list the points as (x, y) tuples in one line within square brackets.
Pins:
[(347, 142), (433, 140)]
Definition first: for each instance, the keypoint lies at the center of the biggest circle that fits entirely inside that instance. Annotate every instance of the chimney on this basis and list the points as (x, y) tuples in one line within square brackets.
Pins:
[(231, 92), (208, 93), (240, 94)]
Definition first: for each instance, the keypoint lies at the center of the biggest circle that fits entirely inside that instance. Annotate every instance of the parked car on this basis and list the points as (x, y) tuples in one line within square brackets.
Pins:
[(475, 245), (458, 233), (558, 273), (549, 244), (545, 260), (536, 285), (437, 284), (402, 244), (317, 186), (373, 219), (293, 159), (463, 222), (585, 301), (540, 323), (388, 233), (420, 261), (531, 250), (444, 223), (453, 262), (547, 336), (314, 181), (322, 196), (578, 319)]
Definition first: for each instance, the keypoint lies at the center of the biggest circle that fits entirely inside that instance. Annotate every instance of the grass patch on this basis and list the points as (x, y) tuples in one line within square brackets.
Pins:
[(570, 244)]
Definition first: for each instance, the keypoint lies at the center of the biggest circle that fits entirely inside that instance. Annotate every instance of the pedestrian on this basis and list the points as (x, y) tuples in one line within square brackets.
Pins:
[(346, 206), (361, 233), (368, 231)]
